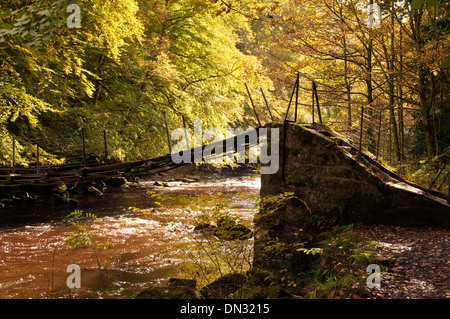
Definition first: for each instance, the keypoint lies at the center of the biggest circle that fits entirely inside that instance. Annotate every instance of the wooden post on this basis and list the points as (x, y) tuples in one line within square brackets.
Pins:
[(37, 157), (435, 179), (361, 132), (188, 146), (13, 155), (296, 96), (448, 199), (444, 180), (253, 105), (379, 135), (390, 142), (317, 101), (167, 132), (313, 85), (290, 101), (283, 158), (84, 146), (267, 105), (106, 146)]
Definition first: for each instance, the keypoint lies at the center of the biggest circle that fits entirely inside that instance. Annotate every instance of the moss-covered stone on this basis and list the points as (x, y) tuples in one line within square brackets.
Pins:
[(228, 229), (224, 286), (174, 289), (115, 182)]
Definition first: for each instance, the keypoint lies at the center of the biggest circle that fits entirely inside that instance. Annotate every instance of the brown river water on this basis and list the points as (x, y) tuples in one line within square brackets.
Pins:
[(150, 227)]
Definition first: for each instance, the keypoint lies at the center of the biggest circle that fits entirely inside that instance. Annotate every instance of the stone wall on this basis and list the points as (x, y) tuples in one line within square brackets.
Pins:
[(332, 186), (333, 183), (327, 178)]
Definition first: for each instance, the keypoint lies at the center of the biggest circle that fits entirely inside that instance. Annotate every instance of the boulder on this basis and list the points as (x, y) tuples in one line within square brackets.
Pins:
[(88, 188), (224, 286), (187, 180), (160, 183), (61, 190), (115, 182), (23, 198), (205, 228), (177, 282), (228, 229), (174, 289)]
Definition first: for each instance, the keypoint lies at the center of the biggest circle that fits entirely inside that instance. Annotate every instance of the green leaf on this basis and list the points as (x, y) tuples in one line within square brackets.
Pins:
[(44, 12), (4, 14), (446, 63), (24, 16), (57, 23), (431, 2), (416, 4)]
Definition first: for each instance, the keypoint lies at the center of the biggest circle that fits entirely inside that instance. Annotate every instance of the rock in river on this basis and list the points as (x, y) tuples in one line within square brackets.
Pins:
[(174, 289)]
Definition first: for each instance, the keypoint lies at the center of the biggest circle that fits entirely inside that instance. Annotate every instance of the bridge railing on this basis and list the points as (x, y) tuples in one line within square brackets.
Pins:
[(37, 166)]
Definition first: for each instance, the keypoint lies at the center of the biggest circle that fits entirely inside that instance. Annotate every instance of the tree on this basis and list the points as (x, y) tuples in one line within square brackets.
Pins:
[(130, 61), (354, 63)]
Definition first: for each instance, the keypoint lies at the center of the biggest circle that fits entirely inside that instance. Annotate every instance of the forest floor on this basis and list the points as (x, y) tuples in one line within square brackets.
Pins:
[(415, 262)]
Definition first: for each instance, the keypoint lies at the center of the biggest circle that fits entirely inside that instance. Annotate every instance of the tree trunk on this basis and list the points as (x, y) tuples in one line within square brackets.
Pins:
[(422, 88), (425, 112), (401, 124), (392, 88), (99, 71), (347, 83), (369, 85)]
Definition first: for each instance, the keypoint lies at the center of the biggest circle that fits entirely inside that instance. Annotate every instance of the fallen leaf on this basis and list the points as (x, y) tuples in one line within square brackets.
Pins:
[(331, 294)]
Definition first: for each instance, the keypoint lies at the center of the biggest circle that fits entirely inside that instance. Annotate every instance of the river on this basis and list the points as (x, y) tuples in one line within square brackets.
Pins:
[(150, 228)]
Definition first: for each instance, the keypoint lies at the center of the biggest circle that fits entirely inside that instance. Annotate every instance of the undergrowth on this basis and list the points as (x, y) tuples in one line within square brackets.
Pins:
[(338, 271), (341, 266)]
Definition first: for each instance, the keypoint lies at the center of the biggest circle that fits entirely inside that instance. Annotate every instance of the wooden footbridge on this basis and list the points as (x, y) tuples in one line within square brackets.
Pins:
[(73, 173)]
